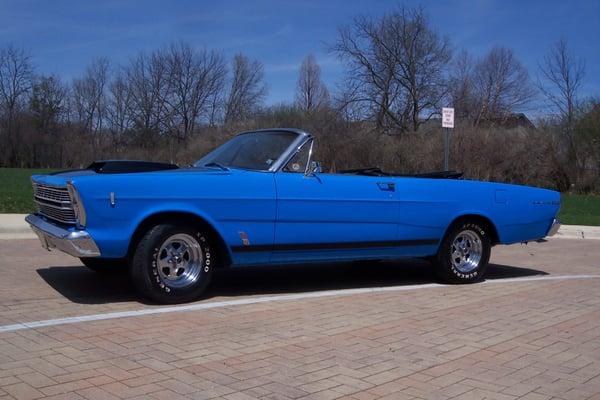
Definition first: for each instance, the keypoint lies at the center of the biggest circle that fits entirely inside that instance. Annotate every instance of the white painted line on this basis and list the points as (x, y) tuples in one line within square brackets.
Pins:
[(264, 299)]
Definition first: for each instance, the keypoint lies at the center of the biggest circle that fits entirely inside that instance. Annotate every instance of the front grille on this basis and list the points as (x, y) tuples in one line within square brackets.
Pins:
[(52, 193), (54, 202)]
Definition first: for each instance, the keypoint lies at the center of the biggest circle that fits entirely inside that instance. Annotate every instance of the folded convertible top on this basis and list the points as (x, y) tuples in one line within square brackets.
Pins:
[(375, 171)]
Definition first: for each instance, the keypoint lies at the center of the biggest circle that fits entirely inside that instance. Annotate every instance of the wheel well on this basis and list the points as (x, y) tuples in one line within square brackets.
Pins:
[(491, 228), (184, 218)]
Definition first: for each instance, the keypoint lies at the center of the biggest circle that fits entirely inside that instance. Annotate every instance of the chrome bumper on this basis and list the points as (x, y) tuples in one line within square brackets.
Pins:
[(77, 243), (554, 227)]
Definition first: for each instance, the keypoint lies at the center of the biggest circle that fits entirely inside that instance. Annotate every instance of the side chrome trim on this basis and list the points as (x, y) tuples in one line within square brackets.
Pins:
[(77, 243), (554, 227), (308, 169), (335, 245)]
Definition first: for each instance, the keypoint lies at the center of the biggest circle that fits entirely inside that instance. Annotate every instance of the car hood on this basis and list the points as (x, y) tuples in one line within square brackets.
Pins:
[(61, 178)]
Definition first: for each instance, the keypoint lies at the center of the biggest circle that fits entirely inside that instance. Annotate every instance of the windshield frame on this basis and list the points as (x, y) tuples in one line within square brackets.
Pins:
[(301, 138)]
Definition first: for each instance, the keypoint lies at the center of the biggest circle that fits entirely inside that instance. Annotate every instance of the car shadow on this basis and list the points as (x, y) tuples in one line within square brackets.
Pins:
[(309, 278), (80, 285)]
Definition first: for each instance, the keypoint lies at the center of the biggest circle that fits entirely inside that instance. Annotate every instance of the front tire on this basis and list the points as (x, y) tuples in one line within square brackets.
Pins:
[(172, 264), (464, 254)]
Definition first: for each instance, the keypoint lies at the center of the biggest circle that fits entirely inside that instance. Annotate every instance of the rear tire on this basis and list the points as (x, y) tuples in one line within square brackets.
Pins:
[(105, 265), (172, 263), (464, 253)]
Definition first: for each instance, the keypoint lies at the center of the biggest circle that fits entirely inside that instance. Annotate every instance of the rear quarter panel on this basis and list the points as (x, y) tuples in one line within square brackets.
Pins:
[(518, 213)]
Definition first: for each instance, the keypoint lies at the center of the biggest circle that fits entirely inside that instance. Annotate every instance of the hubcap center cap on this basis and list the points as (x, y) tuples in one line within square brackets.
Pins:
[(179, 260), (466, 251)]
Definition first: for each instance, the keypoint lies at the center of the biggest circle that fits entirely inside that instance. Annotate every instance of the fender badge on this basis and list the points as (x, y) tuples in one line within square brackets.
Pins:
[(112, 199), (244, 238)]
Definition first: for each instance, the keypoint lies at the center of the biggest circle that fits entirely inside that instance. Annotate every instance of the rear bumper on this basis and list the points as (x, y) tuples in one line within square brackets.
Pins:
[(77, 243), (554, 227)]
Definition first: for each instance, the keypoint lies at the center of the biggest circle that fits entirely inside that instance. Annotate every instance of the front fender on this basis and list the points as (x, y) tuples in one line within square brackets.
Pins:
[(114, 235), (229, 202)]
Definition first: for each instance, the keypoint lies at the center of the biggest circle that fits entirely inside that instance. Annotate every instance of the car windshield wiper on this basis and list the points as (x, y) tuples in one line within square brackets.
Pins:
[(217, 165)]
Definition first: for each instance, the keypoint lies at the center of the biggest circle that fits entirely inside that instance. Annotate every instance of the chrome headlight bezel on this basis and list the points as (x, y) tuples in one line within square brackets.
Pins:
[(78, 207)]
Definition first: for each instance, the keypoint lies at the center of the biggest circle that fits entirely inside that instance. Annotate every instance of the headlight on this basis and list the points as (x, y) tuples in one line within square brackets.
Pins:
[(77, 205)]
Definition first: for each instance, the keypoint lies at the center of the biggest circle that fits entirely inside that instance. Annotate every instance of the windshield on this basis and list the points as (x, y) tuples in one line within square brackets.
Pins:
[(256, 150)]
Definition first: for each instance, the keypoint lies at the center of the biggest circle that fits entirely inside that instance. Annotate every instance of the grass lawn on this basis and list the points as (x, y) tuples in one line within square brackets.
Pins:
[(16, 197), (16, 194), (577, 209)]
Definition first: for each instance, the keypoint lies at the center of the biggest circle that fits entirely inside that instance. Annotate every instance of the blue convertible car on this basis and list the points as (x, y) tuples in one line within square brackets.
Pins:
[(260, 198)]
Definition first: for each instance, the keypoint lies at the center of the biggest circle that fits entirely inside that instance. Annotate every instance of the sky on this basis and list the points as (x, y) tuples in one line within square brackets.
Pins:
[(64, 36)]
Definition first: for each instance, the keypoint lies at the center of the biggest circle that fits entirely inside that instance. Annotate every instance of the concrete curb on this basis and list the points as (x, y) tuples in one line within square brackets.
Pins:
[(578, 232), (13, 226)]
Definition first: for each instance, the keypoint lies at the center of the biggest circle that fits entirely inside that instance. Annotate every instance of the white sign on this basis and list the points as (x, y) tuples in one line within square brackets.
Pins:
[(447, 117)]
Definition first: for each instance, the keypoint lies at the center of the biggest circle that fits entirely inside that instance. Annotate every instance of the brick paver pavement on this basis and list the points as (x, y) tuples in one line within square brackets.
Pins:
[(529, 339)]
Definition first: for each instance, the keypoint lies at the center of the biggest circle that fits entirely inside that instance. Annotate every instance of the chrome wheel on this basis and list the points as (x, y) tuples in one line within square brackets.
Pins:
[(179, 261), (466, 251)]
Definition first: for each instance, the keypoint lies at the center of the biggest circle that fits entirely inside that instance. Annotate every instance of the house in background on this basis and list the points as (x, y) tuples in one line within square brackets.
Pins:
[(511, 121), (516, 121)]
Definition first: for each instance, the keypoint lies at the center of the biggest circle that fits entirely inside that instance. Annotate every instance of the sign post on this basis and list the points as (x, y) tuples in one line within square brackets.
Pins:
[(447, 124)]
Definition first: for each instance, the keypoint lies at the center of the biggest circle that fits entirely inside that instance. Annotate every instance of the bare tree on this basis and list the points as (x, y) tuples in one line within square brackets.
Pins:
[(48, 104), (561, 76), (147, 78), (48, 113), (89, 96), (311, 92), (118, 108), (247, 90), (89, 101), (16, 79), (461, 87), (195, 78), (396, 67), (501, 84)]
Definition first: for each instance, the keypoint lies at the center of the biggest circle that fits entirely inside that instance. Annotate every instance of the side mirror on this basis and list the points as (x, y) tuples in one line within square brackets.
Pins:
[(315, 167)]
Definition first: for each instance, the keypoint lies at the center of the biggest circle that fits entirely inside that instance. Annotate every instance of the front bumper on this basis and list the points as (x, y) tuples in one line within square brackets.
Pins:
[(77, 243), (554, 227)]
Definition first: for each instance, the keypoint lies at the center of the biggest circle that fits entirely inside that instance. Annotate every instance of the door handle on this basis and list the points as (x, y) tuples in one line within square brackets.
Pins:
[(387, 186)]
